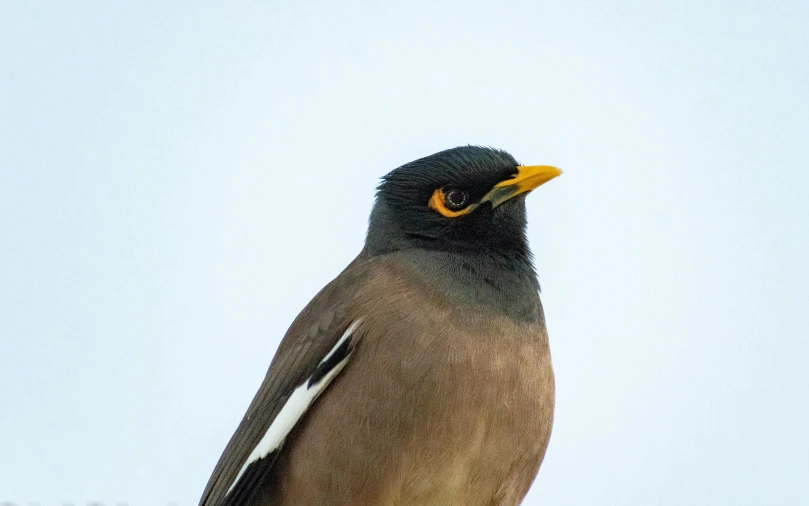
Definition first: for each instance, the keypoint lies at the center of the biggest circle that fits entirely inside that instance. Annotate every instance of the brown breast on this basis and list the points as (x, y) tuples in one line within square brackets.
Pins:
[(438, 405)]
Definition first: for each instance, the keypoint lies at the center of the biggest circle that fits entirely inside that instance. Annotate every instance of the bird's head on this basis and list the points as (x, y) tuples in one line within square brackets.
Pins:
[(465, 198)]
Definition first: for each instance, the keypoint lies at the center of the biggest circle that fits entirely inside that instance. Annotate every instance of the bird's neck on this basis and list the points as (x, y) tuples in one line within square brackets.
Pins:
[(490, 283), (498, 278)]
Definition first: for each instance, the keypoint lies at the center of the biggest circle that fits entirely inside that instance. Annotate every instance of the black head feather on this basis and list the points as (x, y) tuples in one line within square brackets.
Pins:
[(402, 219)]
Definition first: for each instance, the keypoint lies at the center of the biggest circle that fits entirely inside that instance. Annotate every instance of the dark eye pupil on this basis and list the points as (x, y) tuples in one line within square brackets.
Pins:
[(456, 199)]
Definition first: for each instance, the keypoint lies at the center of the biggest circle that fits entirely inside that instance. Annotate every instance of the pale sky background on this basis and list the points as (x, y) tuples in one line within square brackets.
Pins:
[(177, 180)]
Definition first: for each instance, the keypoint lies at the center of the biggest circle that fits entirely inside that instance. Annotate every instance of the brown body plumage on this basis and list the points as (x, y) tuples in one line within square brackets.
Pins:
[(459, 413)]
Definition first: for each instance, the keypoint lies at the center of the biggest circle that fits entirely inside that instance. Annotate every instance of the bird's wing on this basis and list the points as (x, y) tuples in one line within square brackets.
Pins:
[(314, 351)]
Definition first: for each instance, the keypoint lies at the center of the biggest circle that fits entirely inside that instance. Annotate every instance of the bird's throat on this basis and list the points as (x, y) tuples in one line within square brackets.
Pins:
[(490, 283)]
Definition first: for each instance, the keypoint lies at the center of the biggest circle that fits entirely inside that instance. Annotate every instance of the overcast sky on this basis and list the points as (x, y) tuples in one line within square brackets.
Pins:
[(177, 180)]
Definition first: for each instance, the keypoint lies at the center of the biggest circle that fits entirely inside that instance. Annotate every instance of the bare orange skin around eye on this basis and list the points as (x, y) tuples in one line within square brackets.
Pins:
[(437, 203)]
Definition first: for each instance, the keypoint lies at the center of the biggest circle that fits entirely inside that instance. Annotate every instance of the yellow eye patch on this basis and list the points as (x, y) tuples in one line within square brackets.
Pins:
[(438, 203), (526, 179)]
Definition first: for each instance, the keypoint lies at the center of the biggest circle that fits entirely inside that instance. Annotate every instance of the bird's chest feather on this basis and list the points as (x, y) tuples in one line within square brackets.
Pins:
[(467, 402), (438, 405)]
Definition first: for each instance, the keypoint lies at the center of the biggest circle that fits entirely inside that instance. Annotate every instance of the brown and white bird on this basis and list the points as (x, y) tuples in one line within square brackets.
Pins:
[(421, 375)]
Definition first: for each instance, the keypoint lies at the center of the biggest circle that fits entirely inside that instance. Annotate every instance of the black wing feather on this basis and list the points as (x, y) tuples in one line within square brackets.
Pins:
[(310, 338)]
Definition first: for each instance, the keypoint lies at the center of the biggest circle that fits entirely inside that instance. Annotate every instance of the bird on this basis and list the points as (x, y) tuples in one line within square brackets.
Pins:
[(421, 375)]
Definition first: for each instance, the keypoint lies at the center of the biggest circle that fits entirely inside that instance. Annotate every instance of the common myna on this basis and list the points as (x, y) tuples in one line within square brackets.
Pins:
[(421, 375)]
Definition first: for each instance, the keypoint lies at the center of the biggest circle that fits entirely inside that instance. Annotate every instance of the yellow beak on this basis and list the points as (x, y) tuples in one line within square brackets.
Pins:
[(528, 177)]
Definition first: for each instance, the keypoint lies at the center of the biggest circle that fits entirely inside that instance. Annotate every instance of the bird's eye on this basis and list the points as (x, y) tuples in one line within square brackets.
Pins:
[(456, 200), (451, 203)]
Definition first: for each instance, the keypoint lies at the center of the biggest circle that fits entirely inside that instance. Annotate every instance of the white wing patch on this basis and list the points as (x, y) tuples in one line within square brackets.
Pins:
[(297, 404)]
